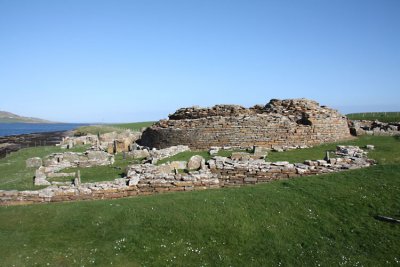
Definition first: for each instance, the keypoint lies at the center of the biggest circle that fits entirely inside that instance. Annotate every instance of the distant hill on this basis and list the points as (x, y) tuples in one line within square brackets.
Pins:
[(10, 117)]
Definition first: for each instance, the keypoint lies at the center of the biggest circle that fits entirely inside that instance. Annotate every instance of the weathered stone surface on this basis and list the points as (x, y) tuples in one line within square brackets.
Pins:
[(260, 152), (165, 168), (194, 162), (168, 152), (365, 127), (213, 150), (370, 147), (35, 162), (240, 156), (179, 165), (40, 177), (112, 142), (280, 163), (133, 180), (99, 156), (140, 154), (284, 123)]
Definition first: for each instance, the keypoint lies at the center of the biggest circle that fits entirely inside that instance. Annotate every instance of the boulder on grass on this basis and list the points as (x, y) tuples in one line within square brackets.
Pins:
[(195, 162)]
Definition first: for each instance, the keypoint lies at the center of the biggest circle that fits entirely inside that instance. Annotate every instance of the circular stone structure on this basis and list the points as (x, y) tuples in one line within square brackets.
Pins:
[(290, 122)]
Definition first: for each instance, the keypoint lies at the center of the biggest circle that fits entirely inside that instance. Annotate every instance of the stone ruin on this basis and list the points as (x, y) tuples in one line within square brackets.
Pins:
[(154, 155), (112, 142), (364, 127), (54, 163), (280, 123), (218, 172)]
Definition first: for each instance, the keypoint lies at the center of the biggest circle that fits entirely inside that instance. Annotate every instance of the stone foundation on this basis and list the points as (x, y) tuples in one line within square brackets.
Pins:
[(145, 179), (59, 161)]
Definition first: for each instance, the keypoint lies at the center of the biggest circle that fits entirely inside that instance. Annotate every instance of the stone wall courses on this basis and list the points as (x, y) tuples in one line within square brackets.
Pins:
[(364, 127), (295, 122)]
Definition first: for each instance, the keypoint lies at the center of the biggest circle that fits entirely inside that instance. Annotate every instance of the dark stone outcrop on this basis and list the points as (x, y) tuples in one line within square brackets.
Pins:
[(13, 143)]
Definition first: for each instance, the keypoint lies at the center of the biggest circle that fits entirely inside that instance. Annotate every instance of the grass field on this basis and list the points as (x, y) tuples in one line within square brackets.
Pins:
[(380, 116), (325, 220), (136, 126), (106, 128)]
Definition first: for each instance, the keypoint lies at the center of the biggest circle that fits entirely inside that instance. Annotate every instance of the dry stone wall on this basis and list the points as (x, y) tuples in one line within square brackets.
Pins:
[(293, 122), (219, 172), (365, 127)]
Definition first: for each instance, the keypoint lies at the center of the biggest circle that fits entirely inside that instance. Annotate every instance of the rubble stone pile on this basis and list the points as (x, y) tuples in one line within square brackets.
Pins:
[(374, 128)]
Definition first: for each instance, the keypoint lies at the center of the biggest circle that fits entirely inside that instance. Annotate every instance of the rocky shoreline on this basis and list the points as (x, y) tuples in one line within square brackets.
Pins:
[(14, 143)]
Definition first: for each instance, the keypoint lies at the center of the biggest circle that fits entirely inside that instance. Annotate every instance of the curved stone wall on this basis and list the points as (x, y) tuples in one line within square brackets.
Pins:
[(292, 122)]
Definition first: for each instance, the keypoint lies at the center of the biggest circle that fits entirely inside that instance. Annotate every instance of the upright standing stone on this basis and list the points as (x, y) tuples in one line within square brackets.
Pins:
[(327, 158), (77, 180)]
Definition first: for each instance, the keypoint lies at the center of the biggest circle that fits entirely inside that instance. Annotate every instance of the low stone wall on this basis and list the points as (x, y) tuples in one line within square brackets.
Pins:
[(59, 161), (374, 128), (219, 172)]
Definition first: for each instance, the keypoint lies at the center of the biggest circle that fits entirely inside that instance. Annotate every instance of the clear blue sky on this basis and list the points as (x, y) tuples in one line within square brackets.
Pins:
[(123, 61)]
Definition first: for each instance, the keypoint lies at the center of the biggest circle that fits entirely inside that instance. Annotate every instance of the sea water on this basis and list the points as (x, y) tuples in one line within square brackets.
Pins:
[(27, 128)]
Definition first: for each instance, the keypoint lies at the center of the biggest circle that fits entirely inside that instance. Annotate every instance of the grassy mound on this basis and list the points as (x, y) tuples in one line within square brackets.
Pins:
[(325, 220)]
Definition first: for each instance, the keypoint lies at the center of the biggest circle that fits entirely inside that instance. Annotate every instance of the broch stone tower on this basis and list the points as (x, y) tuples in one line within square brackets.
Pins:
[(291, 122)]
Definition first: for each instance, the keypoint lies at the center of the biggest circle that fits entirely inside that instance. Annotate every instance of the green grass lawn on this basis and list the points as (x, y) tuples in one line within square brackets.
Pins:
[(325, 220), (13, 172), (380, 116)]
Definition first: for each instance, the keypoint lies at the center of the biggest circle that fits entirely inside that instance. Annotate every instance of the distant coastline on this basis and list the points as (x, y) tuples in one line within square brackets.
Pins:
[(10, 129)]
